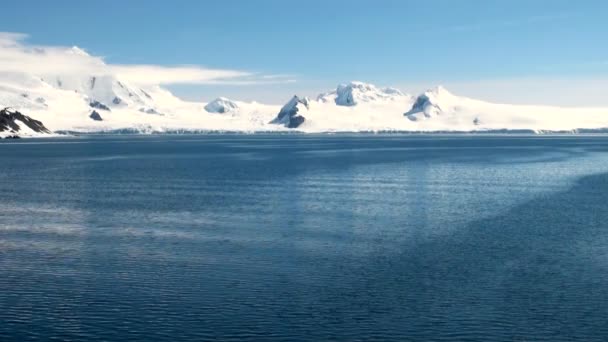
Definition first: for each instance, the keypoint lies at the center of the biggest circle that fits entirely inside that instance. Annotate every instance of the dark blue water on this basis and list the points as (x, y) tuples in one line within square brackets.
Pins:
[(304, 238)]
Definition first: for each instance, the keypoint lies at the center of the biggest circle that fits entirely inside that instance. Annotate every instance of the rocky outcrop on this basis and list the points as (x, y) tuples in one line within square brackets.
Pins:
[(95, 116), (150, 111), (15, 122), (427, 105), (292, 114), (98, 105), (423, 106)]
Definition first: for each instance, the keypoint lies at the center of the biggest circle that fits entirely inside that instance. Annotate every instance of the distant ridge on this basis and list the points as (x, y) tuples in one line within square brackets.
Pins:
[(89, 102)]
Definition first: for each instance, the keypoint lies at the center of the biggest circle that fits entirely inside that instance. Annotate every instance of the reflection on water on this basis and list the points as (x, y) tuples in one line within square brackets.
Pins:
[(304, 237)]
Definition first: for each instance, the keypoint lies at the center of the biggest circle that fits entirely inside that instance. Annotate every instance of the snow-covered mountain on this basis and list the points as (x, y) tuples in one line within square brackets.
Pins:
[(354, 93), (353, 107), (439, 110), (103, 90), (292, 115), (98, 100), (221, 105)]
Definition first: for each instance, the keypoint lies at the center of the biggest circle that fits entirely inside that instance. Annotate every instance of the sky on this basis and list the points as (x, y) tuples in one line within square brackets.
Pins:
[(513, 51)]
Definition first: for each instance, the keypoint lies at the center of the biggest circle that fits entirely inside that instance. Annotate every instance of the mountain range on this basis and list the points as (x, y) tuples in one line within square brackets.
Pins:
[(103, 102)]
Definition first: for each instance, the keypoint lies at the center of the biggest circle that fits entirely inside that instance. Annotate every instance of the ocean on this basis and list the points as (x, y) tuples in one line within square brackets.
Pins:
[(275, 237)]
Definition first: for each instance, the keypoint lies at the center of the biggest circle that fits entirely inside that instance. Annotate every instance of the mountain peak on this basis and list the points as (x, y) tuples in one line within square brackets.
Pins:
[(75, 50), (430, 103), (356, 92), (357, 85), (221, 105), (291, 115)]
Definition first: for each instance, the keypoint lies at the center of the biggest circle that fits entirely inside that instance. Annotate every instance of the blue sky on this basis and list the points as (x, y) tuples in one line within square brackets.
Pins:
[(498, 50)]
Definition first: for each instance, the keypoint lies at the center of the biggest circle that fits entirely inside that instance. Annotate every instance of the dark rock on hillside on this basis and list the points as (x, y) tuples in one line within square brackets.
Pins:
[(145, 94), (95, 116), (428, 104), (98, 105), (10, 121), (150, 111), (290, 115), (296, 121), (422, 105)]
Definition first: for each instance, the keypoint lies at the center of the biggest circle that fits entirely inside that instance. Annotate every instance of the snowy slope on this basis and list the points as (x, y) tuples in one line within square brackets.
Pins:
[(65, 101), (363, 107), (102, 87), (438, 109)]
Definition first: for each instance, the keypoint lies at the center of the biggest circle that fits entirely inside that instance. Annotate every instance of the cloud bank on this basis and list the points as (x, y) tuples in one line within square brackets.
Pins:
[(17, 56)]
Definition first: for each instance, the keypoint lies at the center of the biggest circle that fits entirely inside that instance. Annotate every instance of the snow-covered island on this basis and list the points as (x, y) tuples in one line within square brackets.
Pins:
[(13, 124), (85, 103)]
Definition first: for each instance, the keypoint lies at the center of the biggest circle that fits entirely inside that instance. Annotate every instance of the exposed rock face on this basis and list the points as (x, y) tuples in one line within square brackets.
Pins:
[(291, 115), (424, 106), (96, 116), (427, 104), (98, 105), (221, 105), (14, 122)]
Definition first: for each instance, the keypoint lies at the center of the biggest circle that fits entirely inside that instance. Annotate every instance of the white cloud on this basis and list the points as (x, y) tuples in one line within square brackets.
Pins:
[(278, 76), (156, 74), (189, 74), (17, 56)]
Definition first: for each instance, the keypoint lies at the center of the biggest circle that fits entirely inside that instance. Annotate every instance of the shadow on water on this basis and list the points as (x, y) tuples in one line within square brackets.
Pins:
[(537, 272)]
